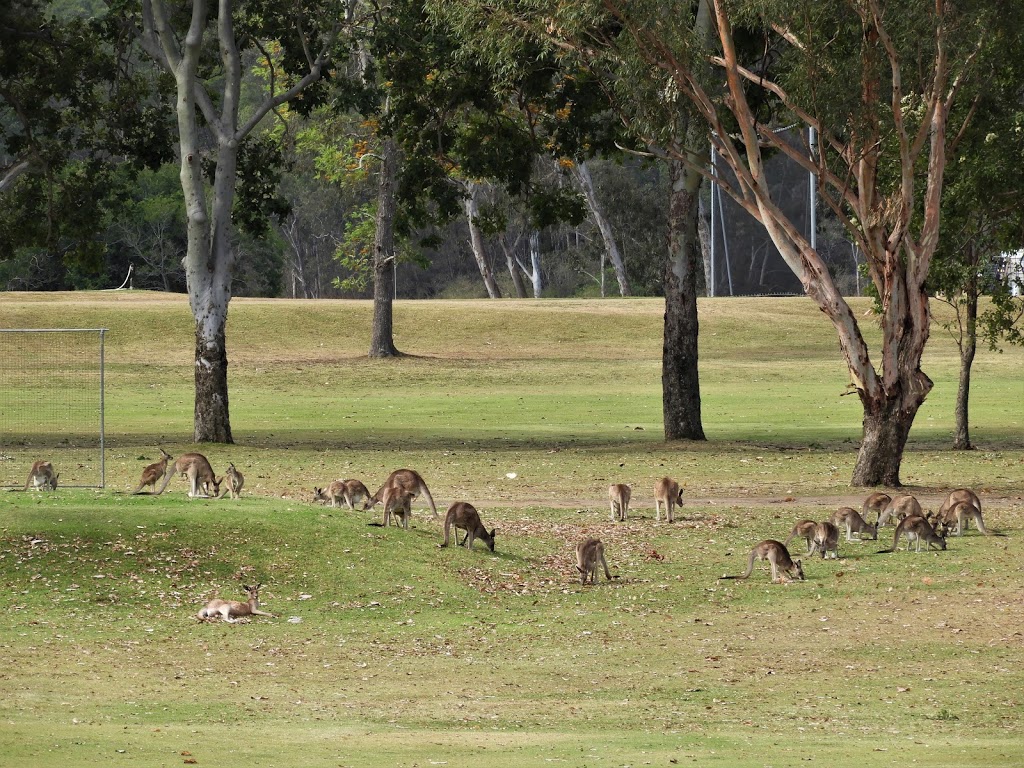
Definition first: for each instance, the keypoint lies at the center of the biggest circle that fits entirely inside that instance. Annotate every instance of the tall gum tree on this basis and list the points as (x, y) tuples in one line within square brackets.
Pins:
[(879, 83), (197, 43)]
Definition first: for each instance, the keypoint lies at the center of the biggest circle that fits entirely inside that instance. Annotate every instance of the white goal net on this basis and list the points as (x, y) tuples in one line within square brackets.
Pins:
[(51, 404)]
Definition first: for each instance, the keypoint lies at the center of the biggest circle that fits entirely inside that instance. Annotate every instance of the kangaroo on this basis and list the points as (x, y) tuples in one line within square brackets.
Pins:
[(397, 501), (230, 610), (778, 558), (463, 515), (354, 492), (42, 477), (667, 492), (876, 502), (235, 482), (851, 518), (955, 519), (826, 539), (408, 479), (618, 497), (917, 529), (899, 507), (153, 473), (960, 494), (589, 553), (197, 469), (804, 529), (332, 493)]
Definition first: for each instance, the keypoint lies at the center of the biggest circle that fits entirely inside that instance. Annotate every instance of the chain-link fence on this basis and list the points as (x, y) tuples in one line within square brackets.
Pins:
[(51, 404)]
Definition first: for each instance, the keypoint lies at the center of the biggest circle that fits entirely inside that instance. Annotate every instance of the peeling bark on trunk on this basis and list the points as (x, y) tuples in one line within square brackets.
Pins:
[(886, 428), (477, 242), (680, 381), (382, 342)]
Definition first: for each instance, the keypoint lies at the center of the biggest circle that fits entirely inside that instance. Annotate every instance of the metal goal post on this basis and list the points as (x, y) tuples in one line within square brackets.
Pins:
[(51, 404)]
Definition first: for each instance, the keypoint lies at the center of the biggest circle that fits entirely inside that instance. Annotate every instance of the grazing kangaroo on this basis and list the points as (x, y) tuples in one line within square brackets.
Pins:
[(900, 507), (667, 492), (397, 501), (876, 502), (804, 529), (826, 539), (197, 469), (955, 519), (410, 481), (229, 610), (235, 482), (851, 518), (917, 529), (42, 477), (154, 473), (589, 553), (778, 558), (618, 497), (960, 494), (333, 493), (463, 515)]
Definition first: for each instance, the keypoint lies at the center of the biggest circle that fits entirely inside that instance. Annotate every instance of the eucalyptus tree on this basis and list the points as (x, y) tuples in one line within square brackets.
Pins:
[(581, 41), (202, 46), (879, 82), (983, 229), (462, 125)]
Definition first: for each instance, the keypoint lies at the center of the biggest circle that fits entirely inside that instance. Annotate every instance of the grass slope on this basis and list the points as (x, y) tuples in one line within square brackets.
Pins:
[(389, 651)]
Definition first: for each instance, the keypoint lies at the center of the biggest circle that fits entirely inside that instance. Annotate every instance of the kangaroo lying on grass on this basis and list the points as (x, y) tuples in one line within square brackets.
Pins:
[(917, 529), (407, 479), (42, 477), (778, 558), (618, 497), (667, 492), (154, 473), (854, 523), (463, 515), (589, 554), (230, 610)]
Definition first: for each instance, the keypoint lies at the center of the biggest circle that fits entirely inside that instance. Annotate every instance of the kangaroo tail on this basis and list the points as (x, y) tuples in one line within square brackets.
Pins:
[(430, 499)]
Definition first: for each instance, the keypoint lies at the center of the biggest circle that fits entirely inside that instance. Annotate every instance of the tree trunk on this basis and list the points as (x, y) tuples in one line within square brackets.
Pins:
[(680, 382), (534, 271), (582, 174), (477, 242), (517, 276), (886, 428), (382, 343), (968, 348), (212, 419)]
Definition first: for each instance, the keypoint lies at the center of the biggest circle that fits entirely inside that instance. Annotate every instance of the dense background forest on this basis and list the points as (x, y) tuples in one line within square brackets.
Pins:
[(113, 213)]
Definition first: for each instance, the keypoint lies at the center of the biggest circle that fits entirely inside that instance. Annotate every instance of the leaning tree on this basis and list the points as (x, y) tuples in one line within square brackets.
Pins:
[(882, 86)]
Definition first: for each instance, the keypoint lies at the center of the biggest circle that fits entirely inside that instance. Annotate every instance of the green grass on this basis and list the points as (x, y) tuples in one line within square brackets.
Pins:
[(406, 654)]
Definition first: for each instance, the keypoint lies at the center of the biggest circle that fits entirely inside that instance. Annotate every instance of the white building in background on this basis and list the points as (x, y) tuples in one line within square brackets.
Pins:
[(1013, 271)]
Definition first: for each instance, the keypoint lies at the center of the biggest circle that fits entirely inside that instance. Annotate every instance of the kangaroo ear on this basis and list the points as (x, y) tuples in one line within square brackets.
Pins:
[(246, 587), (493, 531)]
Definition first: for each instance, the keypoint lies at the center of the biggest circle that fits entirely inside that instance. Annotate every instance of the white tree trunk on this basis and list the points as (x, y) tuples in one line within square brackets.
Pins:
[(210, 260), (582, 174), (477, 242)]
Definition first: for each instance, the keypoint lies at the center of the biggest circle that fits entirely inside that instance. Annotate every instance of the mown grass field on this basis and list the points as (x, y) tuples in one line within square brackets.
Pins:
[(389, 651)]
